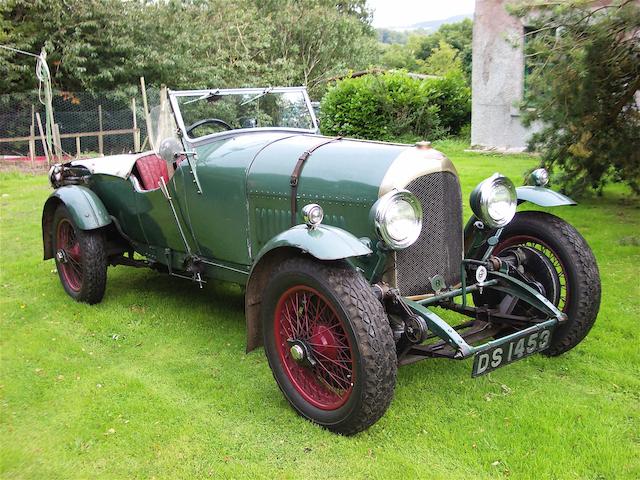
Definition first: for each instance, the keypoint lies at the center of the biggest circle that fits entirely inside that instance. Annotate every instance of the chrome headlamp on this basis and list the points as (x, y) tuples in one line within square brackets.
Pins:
[(398, 218), (494, 201)]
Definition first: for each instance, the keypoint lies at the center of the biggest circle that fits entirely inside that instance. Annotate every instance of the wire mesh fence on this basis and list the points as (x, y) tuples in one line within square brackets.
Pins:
[(106, 123)]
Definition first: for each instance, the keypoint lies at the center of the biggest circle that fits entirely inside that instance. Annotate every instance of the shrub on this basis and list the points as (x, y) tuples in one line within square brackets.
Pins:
[(396, 106)]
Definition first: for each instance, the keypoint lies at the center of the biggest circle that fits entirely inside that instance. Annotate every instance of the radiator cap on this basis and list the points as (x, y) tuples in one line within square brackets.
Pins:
[(424, 145)]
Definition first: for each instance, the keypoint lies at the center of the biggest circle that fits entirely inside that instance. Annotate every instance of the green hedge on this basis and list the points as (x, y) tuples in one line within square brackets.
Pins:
[(396, 107)]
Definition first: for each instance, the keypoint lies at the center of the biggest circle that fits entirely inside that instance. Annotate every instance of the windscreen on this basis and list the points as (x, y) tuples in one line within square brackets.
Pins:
[(163, 125), (214, 112)]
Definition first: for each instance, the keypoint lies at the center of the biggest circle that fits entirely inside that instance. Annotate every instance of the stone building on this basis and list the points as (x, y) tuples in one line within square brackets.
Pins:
[(497, 78)]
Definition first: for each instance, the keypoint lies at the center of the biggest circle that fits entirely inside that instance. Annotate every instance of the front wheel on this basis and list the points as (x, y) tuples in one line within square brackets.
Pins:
[(329, 344), (81, 258), (562, 267)]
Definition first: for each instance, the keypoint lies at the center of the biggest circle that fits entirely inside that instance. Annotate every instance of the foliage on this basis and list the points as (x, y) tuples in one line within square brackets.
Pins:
[(414, 53), (459, 35), (586, 70), (451, 94), (398, 57), (444, 59), (392, 37), (396, 105), (99, 45), (154, 381)]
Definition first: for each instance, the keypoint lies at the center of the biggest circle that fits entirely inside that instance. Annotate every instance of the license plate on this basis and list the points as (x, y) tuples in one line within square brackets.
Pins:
[(510, 351)]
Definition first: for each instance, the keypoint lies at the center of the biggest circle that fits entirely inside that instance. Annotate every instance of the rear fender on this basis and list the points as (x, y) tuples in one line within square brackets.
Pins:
[(85, 207), (324, 243)]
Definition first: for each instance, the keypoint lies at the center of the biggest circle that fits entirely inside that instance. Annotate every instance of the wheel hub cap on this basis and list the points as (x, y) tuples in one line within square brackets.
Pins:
[(61, 255), (301, 353), (297, 353)]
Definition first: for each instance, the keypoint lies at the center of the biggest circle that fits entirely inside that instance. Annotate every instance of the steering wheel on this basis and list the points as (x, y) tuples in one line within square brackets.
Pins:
[(213, 121)]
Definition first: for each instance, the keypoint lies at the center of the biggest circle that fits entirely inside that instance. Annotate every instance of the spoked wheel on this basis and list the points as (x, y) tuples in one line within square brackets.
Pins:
[(81, 258), (543, 268), (559, 264), (68, 255), (329, 344), (314, 348)]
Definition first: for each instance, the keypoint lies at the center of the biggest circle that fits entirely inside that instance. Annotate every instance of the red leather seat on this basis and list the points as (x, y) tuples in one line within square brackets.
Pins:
[(150, 169)]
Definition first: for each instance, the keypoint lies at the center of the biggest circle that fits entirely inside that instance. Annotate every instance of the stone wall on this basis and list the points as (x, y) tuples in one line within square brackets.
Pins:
[(497, 78)]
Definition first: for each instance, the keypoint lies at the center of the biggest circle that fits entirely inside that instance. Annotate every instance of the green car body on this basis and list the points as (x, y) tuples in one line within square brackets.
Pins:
[(226, 213)]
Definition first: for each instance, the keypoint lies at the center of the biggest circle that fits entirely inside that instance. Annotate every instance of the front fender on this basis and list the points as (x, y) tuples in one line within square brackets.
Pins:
[(543, 197), (323, 242), (85, 207)]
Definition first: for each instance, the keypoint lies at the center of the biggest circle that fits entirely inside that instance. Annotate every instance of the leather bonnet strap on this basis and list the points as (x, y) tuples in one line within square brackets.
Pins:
[(295, 175)]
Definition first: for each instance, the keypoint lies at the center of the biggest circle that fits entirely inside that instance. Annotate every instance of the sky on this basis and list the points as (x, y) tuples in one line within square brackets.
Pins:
[(400, 13)]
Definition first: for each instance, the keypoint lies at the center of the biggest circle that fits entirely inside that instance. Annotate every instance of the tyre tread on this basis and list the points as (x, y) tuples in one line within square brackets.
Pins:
[(587, 289), (94, 260), (373, 334)]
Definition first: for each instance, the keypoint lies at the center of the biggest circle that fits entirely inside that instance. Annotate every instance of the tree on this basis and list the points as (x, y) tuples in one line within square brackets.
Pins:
[(458, 35), (585, 72), (99, 45), (443, 60), (316, 39), (414, 53), (398, 57)]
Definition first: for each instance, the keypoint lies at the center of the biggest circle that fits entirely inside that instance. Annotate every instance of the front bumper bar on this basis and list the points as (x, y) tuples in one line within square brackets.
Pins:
[(459, 345)]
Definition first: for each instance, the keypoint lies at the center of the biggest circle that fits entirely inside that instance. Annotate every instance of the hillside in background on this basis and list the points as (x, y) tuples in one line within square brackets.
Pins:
[(433, 25), (400, 35)]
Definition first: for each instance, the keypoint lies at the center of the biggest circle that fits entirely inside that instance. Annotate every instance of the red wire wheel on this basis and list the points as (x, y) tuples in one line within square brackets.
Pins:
[(329, 343), (81, 257), (314, 348), (70, 258)]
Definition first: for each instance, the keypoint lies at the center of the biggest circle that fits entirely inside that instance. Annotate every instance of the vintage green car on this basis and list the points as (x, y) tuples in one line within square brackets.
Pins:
[(343, 246)]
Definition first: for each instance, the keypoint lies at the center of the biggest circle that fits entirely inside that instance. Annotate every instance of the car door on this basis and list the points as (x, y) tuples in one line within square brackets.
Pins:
[(218, 215), (158, 222)]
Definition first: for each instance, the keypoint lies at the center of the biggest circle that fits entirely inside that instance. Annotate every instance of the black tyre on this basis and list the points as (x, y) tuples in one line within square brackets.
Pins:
[(574, 283), (329, 344), (81, 258)]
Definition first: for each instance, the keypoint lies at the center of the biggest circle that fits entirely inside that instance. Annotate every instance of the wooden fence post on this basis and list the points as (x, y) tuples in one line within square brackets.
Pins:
[(136, 130), (32, 144), (78, 149), (32, 137), (100, 135), (57, 143), (147, 116), (43, 138)]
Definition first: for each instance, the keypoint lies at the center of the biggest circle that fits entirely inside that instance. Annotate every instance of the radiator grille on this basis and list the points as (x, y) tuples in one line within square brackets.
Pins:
[(438, 250)]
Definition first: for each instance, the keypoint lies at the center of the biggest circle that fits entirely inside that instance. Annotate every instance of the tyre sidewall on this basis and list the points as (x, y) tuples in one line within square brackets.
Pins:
[(86, 293), (544, 227), (280, 283)]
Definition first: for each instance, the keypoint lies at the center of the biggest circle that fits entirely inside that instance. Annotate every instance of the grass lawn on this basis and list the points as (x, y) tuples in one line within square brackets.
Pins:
[(154, 381)]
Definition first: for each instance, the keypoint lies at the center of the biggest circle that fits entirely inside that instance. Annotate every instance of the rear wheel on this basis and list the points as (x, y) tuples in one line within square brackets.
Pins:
[(81, 258), (329, 344), (561, 265)]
